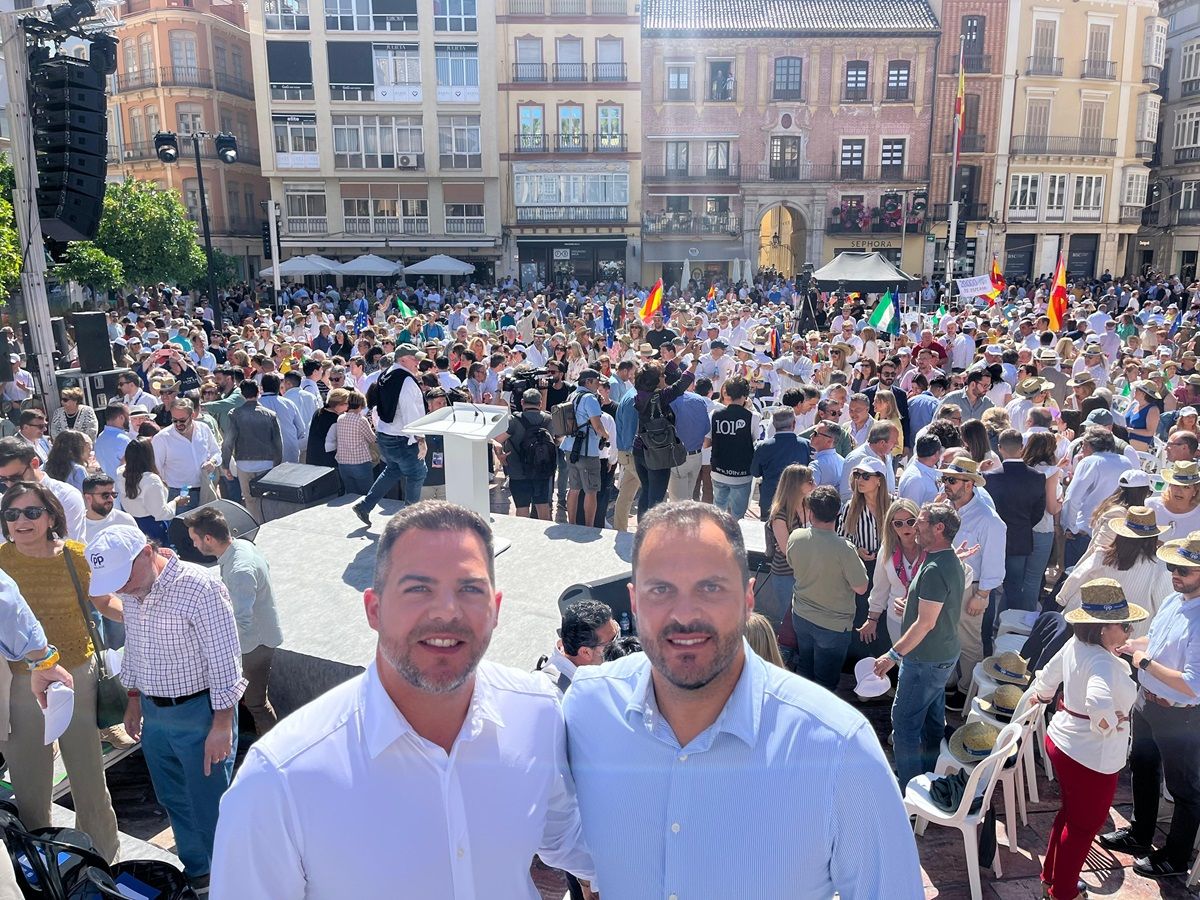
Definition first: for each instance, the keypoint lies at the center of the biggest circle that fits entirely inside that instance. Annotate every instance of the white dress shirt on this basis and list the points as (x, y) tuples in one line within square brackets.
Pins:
[(180, 460), (344, 799), (409, 408)]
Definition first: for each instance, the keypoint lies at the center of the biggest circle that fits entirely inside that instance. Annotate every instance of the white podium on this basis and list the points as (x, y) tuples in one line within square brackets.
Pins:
[(465, 429)]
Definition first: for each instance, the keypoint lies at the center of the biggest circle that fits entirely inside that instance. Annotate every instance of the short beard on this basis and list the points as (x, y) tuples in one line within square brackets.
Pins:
[(727, 648), (397, 656)]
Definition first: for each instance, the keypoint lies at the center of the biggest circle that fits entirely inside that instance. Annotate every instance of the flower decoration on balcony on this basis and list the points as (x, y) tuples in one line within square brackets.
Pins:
[(864, 216), (891, 217)]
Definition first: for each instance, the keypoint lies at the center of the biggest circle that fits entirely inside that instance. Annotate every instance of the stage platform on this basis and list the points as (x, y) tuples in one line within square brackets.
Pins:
[(322, 560)]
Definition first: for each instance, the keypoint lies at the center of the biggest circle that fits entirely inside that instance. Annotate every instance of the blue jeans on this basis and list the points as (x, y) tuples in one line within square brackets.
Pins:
[(402, 464), (1035, 566), (919, 716), (1075, 548), (775, 600), (1014, 583), (733, 498), (173, 744), (820, 652), (357, 478), (654, 484)]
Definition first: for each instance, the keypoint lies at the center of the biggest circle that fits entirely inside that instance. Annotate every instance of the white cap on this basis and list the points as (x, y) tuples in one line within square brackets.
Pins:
[(870, 464), (869, 684), (1134, 478), (110, 556)]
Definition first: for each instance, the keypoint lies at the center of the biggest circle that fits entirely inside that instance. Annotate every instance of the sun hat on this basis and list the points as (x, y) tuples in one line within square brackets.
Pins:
[(963, 467), (110, 556), (646, 350), (1138, 522), (1046, 355), (1182, 552), (973, 742), (166, 383), (1081, 379), (1002, 702), (746, 347), (1008, 667), (1032, 386), (1149, 388), (1103, 603), (870, 464), (843, 346), (869, 684), (408, 350), (1185, 474), (1193, 379)]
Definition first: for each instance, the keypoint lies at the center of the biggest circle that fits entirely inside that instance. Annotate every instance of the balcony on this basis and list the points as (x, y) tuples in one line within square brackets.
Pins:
[(856, 94), (133, 152), (897, 94), (570, 71), (530, 72), (967, 212), (526, 7), (973, 63), (1044, 65), (1086, 214), (612, 142), (231, 84), (1104, 69), (972, 142), (721, 93), (659, 173), (803, 172), (610, 71), (691, 223), (871, 224), (185, 76), (568, 7), (464, 225), (369, 225), (307, 225), (137, 81), (1152, 75), (610, 7), (1187, 154), (1187, 216), (1131, 214), (1145, 149), (678, 95), (537, 215), (1046, 145), (1189, 88), (570, 142), (787, 90), (530, 143)]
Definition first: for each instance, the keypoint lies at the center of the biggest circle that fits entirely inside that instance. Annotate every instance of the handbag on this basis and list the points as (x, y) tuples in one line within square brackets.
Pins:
[(661, 446), (111, 696)]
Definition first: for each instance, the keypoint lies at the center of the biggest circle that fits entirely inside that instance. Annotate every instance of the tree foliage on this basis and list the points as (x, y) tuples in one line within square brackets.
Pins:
[(146, 230), (227, 270), (85, 263)]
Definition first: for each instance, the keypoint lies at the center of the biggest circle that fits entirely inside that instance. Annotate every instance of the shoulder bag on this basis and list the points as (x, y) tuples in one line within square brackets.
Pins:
[(660, 444), (111, 696)]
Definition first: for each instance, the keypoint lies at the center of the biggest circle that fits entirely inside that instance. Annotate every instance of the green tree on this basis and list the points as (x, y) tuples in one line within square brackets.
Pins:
[(227, 270), (85, 263), (10, 241), (146, 229)]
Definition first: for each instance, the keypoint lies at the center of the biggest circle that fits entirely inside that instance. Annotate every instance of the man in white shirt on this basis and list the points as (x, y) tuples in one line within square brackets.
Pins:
[(19, 462), (100, 497), (132, 394), (919, 481), (185, 453), (537, 352), (20, 388), (796, 369), (458, 762), (716, 365)]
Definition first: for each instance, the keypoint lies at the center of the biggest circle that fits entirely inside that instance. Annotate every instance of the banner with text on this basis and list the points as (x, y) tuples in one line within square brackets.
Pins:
[(975, 286)]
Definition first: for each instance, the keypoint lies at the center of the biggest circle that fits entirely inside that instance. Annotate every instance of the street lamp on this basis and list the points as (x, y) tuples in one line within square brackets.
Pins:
[(166, 147)]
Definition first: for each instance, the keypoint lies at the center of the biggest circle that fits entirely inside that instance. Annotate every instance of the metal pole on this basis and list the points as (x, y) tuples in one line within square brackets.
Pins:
[(29, 226), (208, 248), (273, 235)]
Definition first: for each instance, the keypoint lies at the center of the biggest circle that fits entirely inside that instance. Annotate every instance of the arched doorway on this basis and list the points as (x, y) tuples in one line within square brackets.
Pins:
[(782, 237)]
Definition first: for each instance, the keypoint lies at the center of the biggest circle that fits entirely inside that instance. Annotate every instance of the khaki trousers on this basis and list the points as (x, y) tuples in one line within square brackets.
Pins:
[(626, 491), (253, 504), (256, 667), (31, 761), (970, 639), (683, 478)]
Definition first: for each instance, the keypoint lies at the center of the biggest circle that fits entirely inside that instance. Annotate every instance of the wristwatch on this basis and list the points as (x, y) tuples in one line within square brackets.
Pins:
[(1145, 663)]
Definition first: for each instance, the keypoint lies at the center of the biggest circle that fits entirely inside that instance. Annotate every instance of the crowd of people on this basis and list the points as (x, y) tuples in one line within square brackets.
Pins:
[(970, 473)]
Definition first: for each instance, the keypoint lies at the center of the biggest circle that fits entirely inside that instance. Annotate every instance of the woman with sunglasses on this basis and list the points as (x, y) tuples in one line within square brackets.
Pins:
[(36, 557), (1088, 739), (788, 512), (73, 415), (900, 557), (862, 522)]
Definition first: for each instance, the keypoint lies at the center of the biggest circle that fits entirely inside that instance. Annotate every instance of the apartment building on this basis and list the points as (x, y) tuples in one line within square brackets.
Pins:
[(570, 136), (1076, 135), (380, 120), (1169, 240), (185, 66), (779, 134)]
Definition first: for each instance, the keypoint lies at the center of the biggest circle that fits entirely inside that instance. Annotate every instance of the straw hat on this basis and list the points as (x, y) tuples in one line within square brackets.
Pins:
[(973, 742), (1008, 667), (1149, 388), (1183, 552), (1104, 603), (843, 346), (1082, 378), (1186, 474), (964, 467), (1032, 386), (1193, 379), (1002, 702), (1138, 522), (166, 383), (646, 350)]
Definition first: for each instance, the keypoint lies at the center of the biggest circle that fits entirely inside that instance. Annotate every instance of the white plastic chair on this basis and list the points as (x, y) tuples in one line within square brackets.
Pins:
[(1011, 641), (919, 803), (1015, 621), (981, 683), (1025, 770)]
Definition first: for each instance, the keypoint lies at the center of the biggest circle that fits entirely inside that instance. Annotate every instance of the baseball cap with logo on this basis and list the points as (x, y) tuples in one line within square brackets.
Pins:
[(110, 556)]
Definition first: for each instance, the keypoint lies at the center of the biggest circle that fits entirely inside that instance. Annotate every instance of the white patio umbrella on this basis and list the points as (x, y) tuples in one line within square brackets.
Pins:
[(323, 266), (297, 266), (370, 264), (735, 270), (440, 264)]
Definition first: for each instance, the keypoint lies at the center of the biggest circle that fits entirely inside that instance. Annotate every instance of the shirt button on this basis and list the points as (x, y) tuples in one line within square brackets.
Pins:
[(461, 852), (673, 897), (683, 757), (675, 827)]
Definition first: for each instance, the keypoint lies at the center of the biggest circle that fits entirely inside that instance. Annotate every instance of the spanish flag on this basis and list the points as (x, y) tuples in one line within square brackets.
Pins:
[(1057, 310), (653, 304), (998, 283)]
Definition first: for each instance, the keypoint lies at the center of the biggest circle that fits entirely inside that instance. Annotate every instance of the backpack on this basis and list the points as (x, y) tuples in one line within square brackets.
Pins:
[(660, 444), (562, 418), (537, 451)]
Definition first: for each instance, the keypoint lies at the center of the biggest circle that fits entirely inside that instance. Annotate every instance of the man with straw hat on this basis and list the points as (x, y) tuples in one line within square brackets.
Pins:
[(1166, 721), (1088, 738), (1092, 483)]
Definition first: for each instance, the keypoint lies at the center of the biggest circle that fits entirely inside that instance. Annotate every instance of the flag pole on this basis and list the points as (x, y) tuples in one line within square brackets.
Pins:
[(959, 102)]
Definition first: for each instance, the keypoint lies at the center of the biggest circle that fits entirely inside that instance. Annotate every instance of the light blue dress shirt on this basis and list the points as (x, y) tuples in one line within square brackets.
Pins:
[(588, 406), (110, 449), (294, 429), (1174, 641), (20, 631), (827, 468), (786, 795)]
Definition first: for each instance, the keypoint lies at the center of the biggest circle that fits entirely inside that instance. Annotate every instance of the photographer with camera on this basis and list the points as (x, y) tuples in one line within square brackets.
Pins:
[(529, 455), (582, 449)]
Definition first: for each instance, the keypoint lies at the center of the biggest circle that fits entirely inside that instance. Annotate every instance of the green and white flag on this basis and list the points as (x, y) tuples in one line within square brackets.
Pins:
[(404, 309), (886, 317)]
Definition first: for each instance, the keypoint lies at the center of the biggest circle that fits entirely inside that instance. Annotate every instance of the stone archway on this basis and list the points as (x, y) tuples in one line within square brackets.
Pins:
[(782, 239)]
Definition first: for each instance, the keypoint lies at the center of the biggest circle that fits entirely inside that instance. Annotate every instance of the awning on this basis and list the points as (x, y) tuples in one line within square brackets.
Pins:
[(370, 264), (862, 271)]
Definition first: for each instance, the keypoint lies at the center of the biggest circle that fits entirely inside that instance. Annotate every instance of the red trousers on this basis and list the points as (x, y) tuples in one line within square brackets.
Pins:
[(1087, 796)]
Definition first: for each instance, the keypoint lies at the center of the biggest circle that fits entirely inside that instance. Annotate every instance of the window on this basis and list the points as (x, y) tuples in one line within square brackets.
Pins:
[(1023, 194), (220, 58), (898, 80), (152, 127), (286, 15), (610, 59), (131, 57), (1037, 125), (568, 60), (716, 157), (396, 65), (892, 157), (721, 85), (191, 197), (785, 157), (609, 133), (233, 202), (289, 70), (1146, 127), (716, 206), (371, 208), (570, 127), (457, 72), (454, 15), (473, 211), (304, 204), (295, 141), (371, 15), (679, 204), (789, 79), (189, 118), (226, 121), (145, 52), (1045, 43), (1098, 42), (237, 61), (459, 143), (677, 157), (1189, 69), (1089, 194), (531, 123), (679, 82), (183, 50), (1187, 128), (1189, 196), (137, 127), (856, 87), (377, 142), (529, 65), (853, 153), (1154, 46), (1091, 124), (1136, 186), (592, 189), (973, 29), (1056, 193)]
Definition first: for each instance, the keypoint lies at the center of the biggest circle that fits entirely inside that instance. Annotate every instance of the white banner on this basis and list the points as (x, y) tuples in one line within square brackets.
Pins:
[(975, 286)]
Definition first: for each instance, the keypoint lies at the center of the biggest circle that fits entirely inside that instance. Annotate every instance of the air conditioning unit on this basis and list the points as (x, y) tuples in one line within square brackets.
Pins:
[(407, 162)]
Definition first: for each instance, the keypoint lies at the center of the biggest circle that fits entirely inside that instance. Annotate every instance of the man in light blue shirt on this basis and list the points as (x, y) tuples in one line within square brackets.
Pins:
[(294, 428), (919, 483), (1094, 480), (112, 441), (827, 466), (728, 758), (583, 473)]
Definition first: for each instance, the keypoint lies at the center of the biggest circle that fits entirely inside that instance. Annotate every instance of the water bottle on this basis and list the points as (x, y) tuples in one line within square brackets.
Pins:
[(625, 624), (186, 491)]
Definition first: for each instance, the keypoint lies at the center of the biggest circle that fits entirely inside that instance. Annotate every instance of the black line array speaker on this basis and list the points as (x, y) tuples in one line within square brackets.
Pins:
[(91, 339)]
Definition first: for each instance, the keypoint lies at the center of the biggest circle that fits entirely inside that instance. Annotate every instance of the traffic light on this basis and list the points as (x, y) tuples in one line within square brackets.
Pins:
[(920, 201), (891, 202), (70, 120), (267, 241)]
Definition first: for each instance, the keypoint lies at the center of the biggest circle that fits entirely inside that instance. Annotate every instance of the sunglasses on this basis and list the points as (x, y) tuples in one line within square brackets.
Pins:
[(866, 475), (104, 495), (1180, 570), (33, 513), (945, 479), (180, 421), (904, 523), (14, 479)]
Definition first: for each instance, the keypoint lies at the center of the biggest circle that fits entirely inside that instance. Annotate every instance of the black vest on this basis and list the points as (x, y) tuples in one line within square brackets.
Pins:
[(732, 441)]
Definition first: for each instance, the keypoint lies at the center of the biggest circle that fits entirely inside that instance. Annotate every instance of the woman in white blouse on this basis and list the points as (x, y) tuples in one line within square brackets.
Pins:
[(900, 556), (1088, 738), (143, 494)]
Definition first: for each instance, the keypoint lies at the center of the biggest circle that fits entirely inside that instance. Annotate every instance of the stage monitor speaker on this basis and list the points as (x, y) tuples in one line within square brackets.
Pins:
[(241, 525), (7, 349), (91, 339), (613, 590), (296, 483)]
